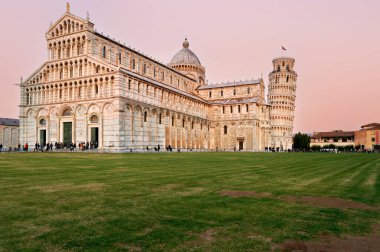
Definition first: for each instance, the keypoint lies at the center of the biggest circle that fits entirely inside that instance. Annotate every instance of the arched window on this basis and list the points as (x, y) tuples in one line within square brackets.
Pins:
[(248, 90), (119, 57), (97, 69), (231, 109), (223, 109), (61, 74), (238, 108), (129, 84), (42, 122), (145, 116), (71, 72), (234, 91), (246, 107), (225, 129), (221, 93), (160, 119), (144, 68), (287, 78), (104, 52), (133, 64), (80, 92), (192, 125), (209, 94), (96, 89), (183, 123), (66, 112), (172, 121), (80, 71), (94, 119)]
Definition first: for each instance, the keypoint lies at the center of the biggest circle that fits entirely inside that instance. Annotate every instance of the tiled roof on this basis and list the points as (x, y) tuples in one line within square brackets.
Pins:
[(9, 122), (230, 84), (141, 54), (336, 133), (235, 101), (162, 85), (371, 126)]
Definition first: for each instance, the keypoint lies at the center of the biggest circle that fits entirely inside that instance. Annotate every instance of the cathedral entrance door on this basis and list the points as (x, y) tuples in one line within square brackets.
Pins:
[(67, 133), (43, 137), (95, 137), (241, 145)]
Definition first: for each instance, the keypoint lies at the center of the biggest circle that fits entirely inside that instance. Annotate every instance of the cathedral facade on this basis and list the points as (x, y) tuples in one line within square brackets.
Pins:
[(94, 89)]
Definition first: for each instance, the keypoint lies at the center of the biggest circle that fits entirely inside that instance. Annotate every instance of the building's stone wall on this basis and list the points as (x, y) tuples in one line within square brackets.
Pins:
[(125, 100), (367, 138), (282, 96), (9, 136)]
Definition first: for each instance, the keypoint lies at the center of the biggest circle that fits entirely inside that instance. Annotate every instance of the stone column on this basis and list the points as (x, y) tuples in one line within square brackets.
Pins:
[(86, 127), (100, 131), (74, 133), (47, 129)]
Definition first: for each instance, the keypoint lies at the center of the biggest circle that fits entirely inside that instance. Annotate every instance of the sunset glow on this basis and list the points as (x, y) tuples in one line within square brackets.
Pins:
[(336, 46)]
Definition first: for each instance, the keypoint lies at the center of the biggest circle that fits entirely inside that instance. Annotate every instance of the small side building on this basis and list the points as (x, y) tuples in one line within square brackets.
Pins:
[(339, 138), (9, 132), (368, 137)]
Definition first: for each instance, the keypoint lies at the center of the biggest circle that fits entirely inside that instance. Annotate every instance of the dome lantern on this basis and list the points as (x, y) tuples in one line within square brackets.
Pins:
[(185, 43)]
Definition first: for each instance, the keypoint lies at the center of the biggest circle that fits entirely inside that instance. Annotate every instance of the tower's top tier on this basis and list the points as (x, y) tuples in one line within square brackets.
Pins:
[(283, 64)]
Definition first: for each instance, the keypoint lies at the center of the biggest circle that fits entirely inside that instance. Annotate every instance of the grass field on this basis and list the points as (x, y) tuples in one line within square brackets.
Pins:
[(182, 202)]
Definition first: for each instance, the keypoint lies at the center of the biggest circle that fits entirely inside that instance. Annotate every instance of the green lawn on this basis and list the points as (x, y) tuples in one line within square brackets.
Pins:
[(172, 201)]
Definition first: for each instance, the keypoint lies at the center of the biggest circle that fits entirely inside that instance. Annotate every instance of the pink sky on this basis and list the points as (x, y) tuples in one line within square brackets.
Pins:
[(336, 45)]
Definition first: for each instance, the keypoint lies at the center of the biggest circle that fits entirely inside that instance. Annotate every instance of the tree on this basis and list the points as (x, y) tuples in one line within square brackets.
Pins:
[(301, 141)]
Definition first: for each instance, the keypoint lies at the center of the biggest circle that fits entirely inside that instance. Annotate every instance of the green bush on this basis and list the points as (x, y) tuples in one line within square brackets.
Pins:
[(316, 148)]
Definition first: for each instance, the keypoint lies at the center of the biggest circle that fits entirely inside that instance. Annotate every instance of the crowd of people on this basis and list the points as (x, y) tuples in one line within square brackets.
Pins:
[(46, 147), (83, 146)]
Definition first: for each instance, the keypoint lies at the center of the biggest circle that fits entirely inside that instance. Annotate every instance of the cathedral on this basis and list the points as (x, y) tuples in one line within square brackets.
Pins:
[(93, 89)]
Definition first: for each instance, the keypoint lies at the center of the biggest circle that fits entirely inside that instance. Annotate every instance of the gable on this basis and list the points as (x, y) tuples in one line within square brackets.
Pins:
[(68, 24), (36, 77), (44, 73)]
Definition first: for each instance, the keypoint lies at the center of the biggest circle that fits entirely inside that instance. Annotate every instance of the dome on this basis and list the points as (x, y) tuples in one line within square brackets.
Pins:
[(185, 56)]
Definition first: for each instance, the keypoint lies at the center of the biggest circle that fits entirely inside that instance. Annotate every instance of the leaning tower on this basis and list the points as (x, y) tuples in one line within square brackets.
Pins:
[(282, 96)]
